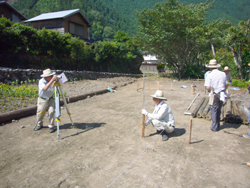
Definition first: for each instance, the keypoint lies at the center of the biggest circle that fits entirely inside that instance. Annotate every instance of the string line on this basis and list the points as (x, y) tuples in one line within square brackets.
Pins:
[(135, 159)]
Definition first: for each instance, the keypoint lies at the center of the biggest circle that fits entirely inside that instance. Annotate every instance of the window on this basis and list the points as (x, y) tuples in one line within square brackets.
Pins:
[(75, 29)]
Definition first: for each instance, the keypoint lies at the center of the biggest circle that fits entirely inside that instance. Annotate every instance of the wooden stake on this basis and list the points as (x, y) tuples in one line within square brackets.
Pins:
[(143, 125), (143, 116), (190, 130), (192, 91)]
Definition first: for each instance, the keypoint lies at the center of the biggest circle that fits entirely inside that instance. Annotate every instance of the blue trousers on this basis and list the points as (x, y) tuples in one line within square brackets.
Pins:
[(215, 111)]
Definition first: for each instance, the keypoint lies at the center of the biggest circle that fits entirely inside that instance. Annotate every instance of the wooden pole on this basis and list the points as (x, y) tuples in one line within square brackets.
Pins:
[(198, 107), (203, 106), (190, 130), (143, 125), (143, 116), (193, 101)]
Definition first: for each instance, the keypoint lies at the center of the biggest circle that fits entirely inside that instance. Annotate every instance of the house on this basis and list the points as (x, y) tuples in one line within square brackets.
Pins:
[(67, 21), (10, 12), (150, 62)]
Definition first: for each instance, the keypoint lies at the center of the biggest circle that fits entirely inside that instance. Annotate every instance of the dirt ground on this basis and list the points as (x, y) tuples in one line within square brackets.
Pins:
[(106, 148)]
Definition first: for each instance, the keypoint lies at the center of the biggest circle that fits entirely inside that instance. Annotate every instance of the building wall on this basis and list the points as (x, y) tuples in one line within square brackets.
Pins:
[(55, 24), (5, 11), (77, 18), (15, 18)]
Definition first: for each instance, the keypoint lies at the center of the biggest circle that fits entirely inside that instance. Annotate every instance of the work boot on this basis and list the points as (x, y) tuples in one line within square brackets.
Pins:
[(52, 129), (164, 136), (39, 127)]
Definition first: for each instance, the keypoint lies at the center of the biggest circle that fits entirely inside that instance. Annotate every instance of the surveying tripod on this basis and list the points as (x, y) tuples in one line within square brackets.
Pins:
[(58, 90)]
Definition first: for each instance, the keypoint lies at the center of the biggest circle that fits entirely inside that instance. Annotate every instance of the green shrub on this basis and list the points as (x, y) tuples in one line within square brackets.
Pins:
[(240, 83)]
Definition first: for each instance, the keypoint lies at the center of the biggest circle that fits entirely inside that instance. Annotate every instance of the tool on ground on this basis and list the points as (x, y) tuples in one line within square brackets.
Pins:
[(58, 91), (108, 88), (190, 130), (193, 101), (248, 163), (143, 116), (187, 113)]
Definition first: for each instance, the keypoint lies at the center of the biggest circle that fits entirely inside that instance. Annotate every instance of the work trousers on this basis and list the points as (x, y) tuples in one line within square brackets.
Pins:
[(51, 110), (215, 111), (159, 125)]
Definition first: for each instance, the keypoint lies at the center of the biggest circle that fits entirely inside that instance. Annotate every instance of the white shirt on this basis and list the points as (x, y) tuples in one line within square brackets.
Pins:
[(41, 92), (217, 80), (162, 112)]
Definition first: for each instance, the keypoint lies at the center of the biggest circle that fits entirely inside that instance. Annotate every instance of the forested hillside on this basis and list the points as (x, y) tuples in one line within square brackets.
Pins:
[(233, 10), (109, 16), (105, 21)]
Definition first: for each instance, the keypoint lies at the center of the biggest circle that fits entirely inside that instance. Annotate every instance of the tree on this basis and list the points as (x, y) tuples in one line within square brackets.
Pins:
[(236, 40), (215, 31), (172, 30)]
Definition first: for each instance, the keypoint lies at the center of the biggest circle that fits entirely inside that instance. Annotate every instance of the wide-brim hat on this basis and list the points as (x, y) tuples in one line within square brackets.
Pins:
[(159, 95), (47, 72), (213, 64), (226, 68)]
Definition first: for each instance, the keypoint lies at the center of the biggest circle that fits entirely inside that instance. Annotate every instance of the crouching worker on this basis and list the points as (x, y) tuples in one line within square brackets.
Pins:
[(46, 91), (162, 117)]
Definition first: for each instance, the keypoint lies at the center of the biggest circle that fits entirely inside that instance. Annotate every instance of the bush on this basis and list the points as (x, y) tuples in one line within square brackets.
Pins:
[(160, 67), (240, 83), (25, 47), (193, 72)]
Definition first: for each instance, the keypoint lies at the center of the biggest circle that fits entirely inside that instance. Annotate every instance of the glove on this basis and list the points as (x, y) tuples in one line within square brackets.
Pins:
[(147, 123), (144, 112)]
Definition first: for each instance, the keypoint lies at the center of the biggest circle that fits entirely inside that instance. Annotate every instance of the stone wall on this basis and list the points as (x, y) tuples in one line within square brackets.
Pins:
[(8, 75)]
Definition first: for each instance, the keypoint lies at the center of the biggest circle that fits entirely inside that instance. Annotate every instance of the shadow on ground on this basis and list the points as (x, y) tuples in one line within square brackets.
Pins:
[(175, 133), (84, 126)]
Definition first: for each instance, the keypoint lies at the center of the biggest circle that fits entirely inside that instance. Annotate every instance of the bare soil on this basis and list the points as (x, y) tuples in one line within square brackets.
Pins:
[(106, 148)]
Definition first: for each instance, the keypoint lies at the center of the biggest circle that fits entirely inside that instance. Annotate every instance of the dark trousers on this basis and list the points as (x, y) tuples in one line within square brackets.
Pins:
[(215, 111)]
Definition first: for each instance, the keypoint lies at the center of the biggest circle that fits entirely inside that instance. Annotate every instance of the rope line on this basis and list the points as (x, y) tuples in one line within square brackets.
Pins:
[(135, 159)]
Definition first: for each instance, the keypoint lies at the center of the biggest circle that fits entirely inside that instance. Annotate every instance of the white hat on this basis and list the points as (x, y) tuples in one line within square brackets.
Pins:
[(47, 72), (226, 68), (159, 94), (213, 64)]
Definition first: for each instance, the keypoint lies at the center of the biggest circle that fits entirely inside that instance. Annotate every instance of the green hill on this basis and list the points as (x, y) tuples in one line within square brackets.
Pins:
[(104, 20), (112, 15), (233, 10)]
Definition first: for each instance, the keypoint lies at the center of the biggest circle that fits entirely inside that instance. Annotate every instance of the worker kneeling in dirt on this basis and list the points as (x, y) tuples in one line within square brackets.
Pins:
[(162, 117), (46, 91)]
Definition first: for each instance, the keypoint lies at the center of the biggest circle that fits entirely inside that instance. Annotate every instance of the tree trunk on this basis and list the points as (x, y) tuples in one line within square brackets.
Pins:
[(237, 61), (213, 49)]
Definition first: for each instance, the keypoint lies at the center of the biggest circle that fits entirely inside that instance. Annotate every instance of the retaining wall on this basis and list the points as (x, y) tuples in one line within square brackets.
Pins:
[(8, 75)]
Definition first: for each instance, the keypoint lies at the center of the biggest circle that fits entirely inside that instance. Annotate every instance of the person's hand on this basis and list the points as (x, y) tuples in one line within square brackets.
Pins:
[(54, 78), (147, 122), (144, 112)]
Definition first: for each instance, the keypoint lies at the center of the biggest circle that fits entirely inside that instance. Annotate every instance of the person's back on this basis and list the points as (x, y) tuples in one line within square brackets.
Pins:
[(216, 79)]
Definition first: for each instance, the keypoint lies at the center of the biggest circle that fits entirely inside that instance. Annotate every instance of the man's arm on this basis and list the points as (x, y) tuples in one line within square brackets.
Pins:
[(46, 87)]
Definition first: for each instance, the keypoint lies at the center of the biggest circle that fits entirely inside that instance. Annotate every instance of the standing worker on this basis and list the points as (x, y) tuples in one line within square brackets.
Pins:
[(46, 91), (215, 83), (229, 79), (162, 117)]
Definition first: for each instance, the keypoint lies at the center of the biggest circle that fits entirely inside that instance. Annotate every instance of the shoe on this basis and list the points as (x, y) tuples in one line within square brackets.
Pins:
[(51, 130), (164, 136), (246, 136), (158, 131), (39, 127)]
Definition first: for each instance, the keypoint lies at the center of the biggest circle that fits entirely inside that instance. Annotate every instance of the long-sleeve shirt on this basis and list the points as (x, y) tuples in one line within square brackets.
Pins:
[(41, 92), (162, 112)]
